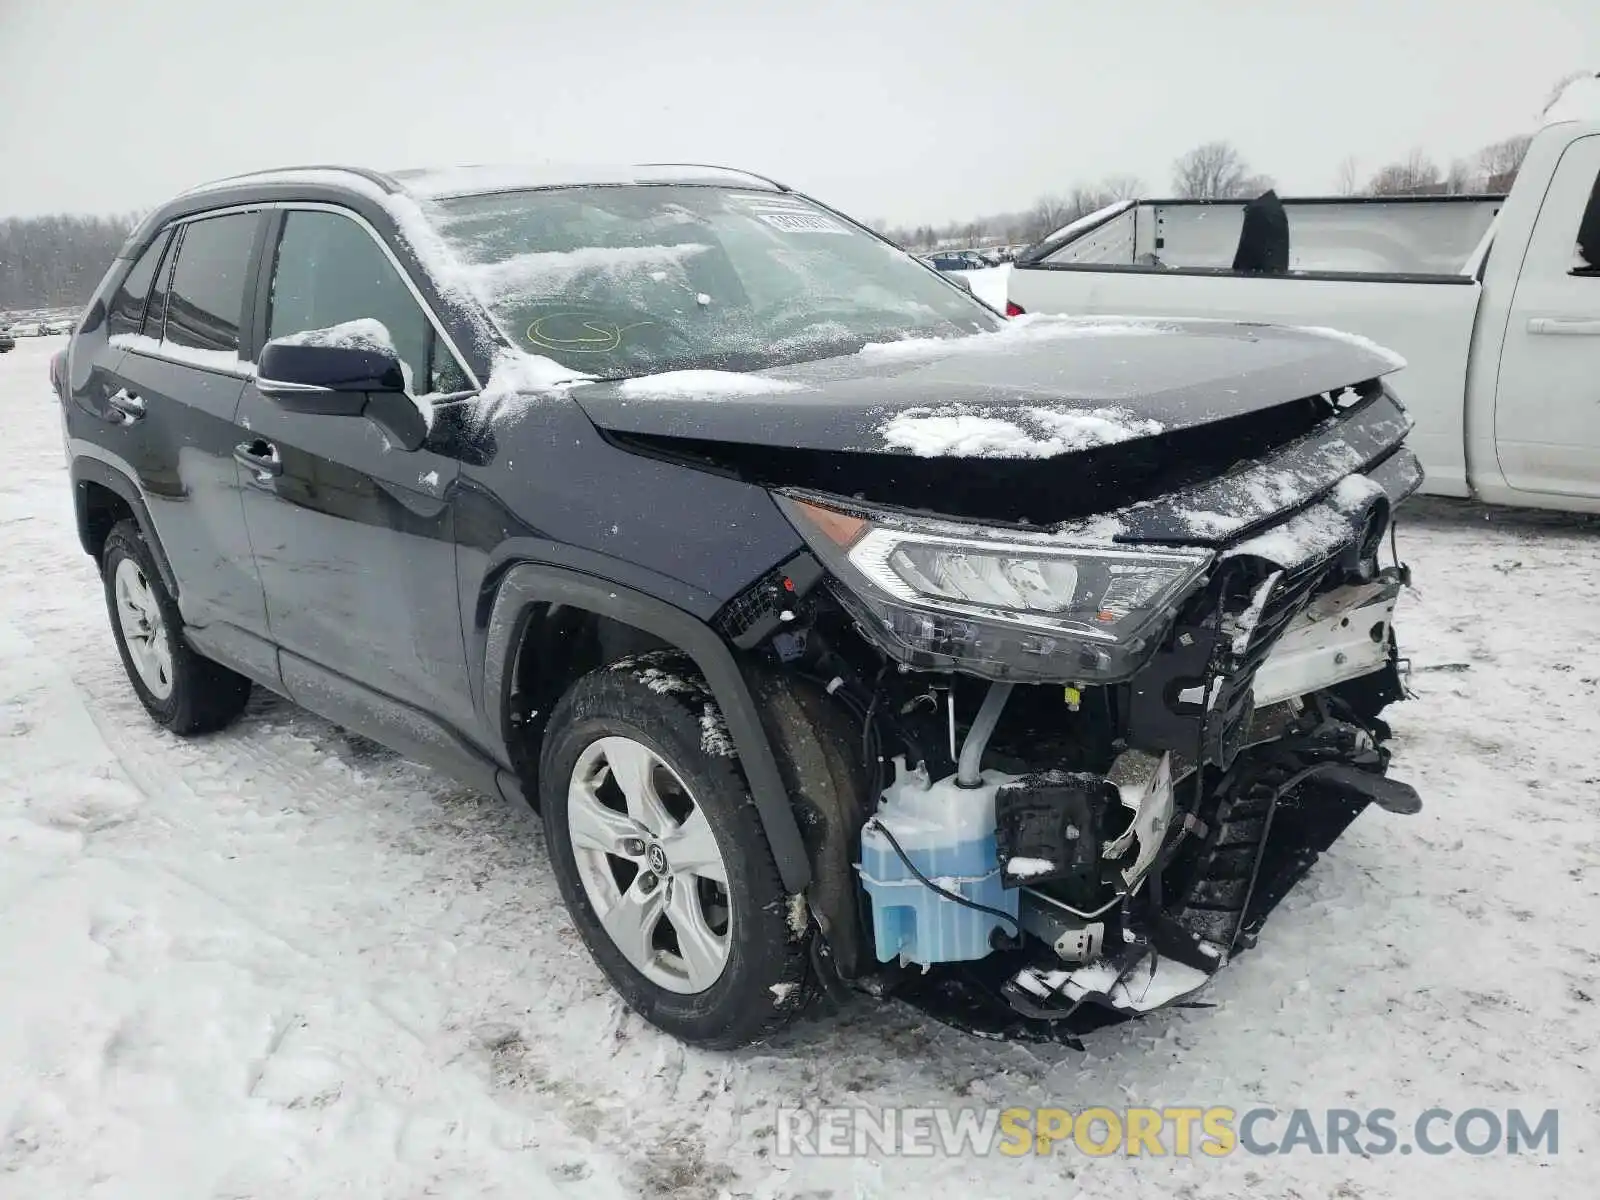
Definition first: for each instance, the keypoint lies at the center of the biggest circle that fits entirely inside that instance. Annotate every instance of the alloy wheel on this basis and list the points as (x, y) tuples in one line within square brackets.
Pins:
[(649, 864), (143, 629)]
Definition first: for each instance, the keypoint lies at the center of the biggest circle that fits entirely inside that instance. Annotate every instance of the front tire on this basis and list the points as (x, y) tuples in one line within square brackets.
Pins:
[(661, 857), (180, 689)]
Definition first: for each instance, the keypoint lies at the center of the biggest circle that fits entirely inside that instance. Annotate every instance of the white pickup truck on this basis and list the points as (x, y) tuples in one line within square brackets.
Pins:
[(1493, 301)]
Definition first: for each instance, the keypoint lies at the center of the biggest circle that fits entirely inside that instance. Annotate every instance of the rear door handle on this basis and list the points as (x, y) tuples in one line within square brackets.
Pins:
[(126, 407), (260, 457), (1566, 326)]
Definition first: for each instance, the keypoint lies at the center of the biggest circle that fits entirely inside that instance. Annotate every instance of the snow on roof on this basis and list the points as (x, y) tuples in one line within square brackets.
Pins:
[(431, 183), (1088, 219), (1579, 101)]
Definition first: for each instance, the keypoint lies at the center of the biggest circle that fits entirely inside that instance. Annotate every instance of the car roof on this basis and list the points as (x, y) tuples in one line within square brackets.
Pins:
[(433, 183)]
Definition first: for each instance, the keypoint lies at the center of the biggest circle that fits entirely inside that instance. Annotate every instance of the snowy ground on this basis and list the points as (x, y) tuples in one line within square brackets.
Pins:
[(279, 962)]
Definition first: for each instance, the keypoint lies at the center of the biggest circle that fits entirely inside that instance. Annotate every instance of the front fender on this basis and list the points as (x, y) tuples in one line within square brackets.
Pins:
[(527, 584)]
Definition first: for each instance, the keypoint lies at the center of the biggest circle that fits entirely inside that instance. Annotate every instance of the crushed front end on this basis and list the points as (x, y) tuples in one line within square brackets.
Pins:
[(1075, 767)]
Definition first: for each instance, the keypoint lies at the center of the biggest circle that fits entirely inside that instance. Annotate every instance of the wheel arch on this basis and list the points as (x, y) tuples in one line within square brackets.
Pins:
[(102, 496), (527, 586)]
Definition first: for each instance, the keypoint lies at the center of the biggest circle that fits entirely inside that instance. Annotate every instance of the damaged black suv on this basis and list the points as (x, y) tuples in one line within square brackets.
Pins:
[(847, 635)]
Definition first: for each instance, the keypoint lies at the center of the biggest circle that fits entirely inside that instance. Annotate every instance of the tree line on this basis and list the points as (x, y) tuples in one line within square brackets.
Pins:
[(56, 261), (1218, 171)]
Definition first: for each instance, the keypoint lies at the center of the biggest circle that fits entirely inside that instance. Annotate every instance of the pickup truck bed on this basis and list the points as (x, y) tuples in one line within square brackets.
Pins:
[(1489, 299)]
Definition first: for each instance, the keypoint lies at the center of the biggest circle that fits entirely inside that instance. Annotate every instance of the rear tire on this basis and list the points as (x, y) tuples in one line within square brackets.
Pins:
[(642, 739), (187, 693)]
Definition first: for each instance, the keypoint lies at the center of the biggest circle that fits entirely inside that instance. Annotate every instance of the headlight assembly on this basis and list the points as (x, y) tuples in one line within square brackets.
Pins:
[(1000, 603)]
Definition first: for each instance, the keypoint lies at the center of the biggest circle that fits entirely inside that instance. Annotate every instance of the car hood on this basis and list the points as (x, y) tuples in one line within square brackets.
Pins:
[(1039, 388)]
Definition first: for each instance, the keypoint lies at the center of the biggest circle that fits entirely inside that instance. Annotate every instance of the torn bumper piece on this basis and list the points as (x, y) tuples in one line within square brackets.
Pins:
[(1137, 982)]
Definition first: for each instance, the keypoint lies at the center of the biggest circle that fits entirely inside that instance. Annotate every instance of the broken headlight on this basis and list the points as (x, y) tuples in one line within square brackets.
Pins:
[(1004, 604)]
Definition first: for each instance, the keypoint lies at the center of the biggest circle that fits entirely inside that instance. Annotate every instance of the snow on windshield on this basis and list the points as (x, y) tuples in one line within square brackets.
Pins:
[(622, 282), (526, 276)]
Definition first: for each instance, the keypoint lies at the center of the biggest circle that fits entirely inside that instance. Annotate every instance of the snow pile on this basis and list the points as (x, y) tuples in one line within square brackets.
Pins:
[(364, 333), (1316, 532), (953, 432), (704, 385), (544, 273), (1024, 867), (194, 356), (990, 284), (517, 379), (715, 739), (1026, 329), (1394, 359), (1578, 101)]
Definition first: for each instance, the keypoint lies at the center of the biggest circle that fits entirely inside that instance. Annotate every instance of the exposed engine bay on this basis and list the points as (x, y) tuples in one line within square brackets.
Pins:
[(1077, 770)]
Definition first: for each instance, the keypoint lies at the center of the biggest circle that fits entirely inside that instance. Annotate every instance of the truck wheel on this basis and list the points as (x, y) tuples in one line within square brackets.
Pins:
[(183, 691), (661, 858)]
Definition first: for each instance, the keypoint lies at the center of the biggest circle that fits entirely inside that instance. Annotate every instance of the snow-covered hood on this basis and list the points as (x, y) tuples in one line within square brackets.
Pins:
[(1040, 388)]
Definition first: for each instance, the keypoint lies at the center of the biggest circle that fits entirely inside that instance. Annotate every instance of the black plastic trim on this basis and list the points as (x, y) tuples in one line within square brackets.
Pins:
[(1229, 273), (92, 470), (526, 584)]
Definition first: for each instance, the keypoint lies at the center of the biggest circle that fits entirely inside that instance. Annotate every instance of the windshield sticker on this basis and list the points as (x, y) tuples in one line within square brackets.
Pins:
[(801, 222)]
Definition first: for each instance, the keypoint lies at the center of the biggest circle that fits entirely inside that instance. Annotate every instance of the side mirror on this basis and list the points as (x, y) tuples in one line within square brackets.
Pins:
[(961, 281), (342, 380)]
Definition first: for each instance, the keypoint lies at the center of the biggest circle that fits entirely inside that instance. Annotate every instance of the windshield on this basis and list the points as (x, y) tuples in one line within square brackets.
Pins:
[(622, 281)]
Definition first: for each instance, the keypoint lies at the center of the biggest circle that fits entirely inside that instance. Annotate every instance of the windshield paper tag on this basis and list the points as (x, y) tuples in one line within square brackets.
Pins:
[(801, 222)]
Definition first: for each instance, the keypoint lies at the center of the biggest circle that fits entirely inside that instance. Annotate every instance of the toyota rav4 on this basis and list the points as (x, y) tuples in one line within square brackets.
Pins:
[(848, 636)]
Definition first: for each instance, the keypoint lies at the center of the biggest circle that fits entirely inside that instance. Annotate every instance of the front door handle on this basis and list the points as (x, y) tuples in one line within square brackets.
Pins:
[(261, 457), (1567, 326), (126, 408)]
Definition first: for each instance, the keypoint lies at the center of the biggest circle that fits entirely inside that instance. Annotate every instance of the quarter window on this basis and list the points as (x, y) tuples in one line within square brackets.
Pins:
[(207, 293), (329, 270), (1589, 234), (128, 302)]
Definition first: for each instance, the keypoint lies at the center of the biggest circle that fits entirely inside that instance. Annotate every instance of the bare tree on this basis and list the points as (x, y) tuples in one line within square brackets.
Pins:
[(1049, 214), (1416, 175), (1462, 178), (1501, 161), (1348, 176), (1215, 171), (56, 261), (1123, 187)]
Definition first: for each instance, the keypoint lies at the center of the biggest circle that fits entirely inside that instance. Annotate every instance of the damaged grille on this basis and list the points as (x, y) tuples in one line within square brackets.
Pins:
[(1196, 693)]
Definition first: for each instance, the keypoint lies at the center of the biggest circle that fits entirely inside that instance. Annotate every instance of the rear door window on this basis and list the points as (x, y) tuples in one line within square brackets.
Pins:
[(128, 303), (206, 301), (330, 271)]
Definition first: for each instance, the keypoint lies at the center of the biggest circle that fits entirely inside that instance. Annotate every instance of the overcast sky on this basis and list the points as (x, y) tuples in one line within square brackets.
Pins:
[(905, 110)]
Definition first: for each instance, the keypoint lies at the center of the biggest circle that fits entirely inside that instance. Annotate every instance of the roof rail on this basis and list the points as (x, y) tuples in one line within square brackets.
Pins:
[(374, 177), (782, 187)]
